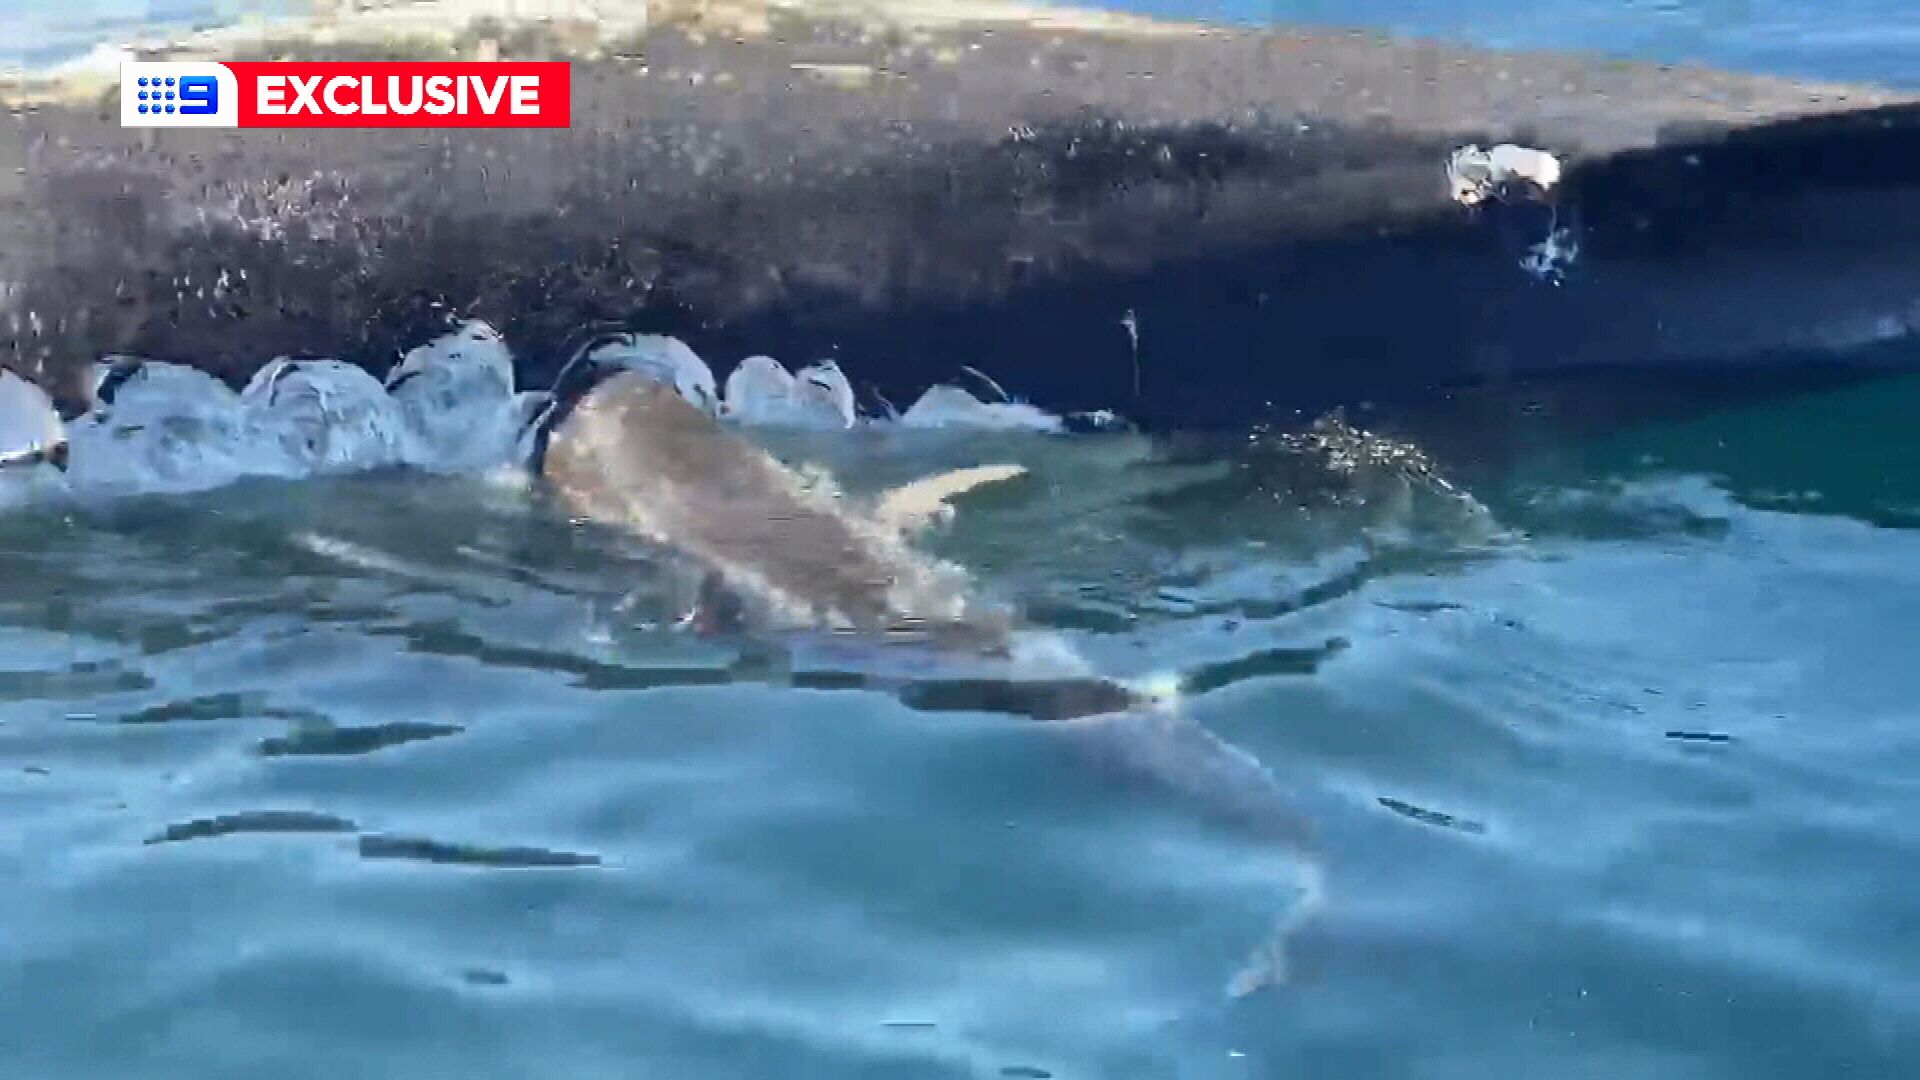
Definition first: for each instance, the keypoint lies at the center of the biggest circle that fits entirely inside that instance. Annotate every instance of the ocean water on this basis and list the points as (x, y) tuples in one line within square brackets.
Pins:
[(1609, 759), (1865, 40)]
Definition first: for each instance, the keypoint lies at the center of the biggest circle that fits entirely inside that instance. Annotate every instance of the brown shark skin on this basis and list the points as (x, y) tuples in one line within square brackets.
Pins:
[(636, 455)]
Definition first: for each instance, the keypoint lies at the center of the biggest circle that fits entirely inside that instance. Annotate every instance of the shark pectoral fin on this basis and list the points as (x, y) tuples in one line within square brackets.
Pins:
[(911, 505)]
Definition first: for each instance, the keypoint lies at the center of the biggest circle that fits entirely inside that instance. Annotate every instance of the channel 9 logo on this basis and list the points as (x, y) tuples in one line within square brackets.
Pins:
[(178, 94), (350, 94)]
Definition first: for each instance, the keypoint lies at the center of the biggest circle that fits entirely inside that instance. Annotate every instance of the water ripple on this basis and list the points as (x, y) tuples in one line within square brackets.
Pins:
[(434, 851), (817, 873), (354, 740), (258, 821)]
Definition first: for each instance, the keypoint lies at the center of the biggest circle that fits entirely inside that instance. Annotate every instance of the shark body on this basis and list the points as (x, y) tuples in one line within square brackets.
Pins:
[(633, 454)]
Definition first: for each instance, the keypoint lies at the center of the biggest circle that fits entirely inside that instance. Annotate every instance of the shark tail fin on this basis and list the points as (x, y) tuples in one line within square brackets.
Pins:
[(913, 504), (1230, 786), (1267, 964)]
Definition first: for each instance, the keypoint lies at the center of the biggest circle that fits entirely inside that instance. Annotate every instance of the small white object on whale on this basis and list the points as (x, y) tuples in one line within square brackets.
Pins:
[(1475, 175), (1516, 174)]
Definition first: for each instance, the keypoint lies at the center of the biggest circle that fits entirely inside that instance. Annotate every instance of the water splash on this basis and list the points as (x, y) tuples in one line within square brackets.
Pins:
[(33, 444), (953, 407), (822, 387), (457, 399), (158, 427), (322, 416), (666, 359), (449, 405), (761, 392)]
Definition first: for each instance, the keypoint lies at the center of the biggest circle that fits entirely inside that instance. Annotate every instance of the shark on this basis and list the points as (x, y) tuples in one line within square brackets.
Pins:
[(781, 551)]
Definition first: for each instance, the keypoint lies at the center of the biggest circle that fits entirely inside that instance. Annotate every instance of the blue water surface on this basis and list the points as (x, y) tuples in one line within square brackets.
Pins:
[(1612, 776), (372, 777)]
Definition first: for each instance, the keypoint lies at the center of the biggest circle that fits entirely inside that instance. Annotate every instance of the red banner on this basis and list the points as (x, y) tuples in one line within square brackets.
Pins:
[(404, 94)]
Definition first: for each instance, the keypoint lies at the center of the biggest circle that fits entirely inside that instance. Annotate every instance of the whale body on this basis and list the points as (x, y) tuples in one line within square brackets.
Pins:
[(1269, 224)]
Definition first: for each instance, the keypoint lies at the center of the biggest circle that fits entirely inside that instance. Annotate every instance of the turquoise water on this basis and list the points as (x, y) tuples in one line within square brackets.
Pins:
[(1872, 40), (1868, 40), (367, 777)]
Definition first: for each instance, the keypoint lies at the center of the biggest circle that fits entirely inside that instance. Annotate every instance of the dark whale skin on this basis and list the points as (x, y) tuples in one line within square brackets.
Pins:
[(1268, 206)]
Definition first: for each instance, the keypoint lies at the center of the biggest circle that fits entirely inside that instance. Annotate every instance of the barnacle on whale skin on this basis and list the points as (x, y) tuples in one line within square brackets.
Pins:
[(1475, 175)]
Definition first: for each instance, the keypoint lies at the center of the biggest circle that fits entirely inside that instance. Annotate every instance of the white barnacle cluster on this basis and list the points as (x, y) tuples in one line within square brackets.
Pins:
[(1475, 175), (268, 207), (1509, 173)]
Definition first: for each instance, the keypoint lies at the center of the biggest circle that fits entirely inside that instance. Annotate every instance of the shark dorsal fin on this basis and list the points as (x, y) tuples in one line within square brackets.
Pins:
[(913, 504)]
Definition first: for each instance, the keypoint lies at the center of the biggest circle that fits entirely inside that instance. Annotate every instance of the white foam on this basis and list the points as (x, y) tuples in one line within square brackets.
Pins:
[(951, 407), (30, 429), (322, 416), (667, 359), (457, 400), (157, 427), (824, 390), (450, 404), (760, 392), (29, 424), (757, 385)]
